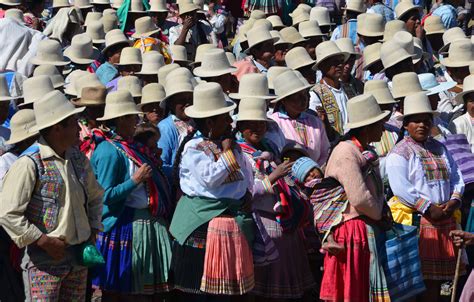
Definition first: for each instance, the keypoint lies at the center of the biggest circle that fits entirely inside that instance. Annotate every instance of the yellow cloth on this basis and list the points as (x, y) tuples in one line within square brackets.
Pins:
[(148, 44), (74, 224), (404, 214)]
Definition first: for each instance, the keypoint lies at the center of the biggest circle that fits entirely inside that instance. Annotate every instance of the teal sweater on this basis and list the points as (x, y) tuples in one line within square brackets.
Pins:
[(111, 169)]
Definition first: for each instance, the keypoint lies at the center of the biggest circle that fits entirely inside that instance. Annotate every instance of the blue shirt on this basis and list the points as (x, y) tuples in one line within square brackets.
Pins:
[(448, 15)]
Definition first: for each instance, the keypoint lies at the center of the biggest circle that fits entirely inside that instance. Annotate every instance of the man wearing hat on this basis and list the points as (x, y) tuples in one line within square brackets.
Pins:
[(349, 29), (192, 32), (52, 204), (159, 14)]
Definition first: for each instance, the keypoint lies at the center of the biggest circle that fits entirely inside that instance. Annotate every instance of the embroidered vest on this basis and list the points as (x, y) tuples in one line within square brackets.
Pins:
[(44, 205), (330, 107)]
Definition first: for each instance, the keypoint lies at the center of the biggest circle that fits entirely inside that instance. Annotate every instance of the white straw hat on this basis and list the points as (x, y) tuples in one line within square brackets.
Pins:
[(406, 40), (208, 100), (253, 85), (96, 32), (176, 85), (433, 25), (406, 83), (22, 126), (345, 45), (391, 28), (181, 72), (10, 2), (144, 27), (131, 84), (379, 89), (85, 80), (370, 25), (309, 29), (363, 110), (151, 94), (185, 8), (467, 87), (152, 62), (214, 63), (70, 80), (158, 6), (60, 3), (91, 96), (259, 35), (405, 6), (428, 82), (252, 109), (130, 56), (304, 7), (109, 11), (272, 73), (92, 17), (451, 35), (164, 71), (280, 41), (326, 50), (179, 53), (81, 50), (320, 14), (277, 24), (109, 22), (15, 14), (291, 34), (460, 54), (52, 72), (372, 54), (119, 103), (34, 88), (49, 52), (4, 90), (201, 50), (257, 14), (51, 109), (115, 37), (392, 53), (136, 6), (357, 6), (299, 16), (297, 58), (288, 83), (417, 103), (263, 23), (83, 4)]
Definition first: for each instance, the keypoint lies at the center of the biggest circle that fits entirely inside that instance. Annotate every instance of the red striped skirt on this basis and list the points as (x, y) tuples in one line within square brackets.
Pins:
[(437, 254), (228, 262)]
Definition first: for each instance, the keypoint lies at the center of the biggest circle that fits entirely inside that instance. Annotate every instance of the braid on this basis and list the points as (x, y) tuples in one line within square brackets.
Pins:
[(177, 161)]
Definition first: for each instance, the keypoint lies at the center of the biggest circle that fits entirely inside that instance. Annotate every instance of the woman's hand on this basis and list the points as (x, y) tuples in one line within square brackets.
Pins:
[(460, 237), (280, 171), (436, 213), (142, 174), (450, 207)]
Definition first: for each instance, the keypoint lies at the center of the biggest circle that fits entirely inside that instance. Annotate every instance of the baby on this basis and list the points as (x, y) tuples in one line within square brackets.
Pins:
[(309, 174)]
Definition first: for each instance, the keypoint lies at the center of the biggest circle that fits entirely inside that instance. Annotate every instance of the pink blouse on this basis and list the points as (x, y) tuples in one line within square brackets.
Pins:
[(308, 131)]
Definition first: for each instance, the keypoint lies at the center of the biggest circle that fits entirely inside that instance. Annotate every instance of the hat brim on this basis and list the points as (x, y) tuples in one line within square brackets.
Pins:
[(129, 63), (370, 34), (274, 39), (203, 73), (188, 11), (453, 63), (398, 61), (238, 96), (9, 98), (141, 105), (459, 98), (169, 96), (353, 10), (86, 103), (415, 7), (128, 43), (55, 121), (281, 97), (262, 119), (158, 10), (124, 113), (401, 117), (38, 61), (367, 66), (193, 113), (345, 54), (11, 4), (14, 139), (85, 6), (443, 86), (99, 41), (146, 34), (57, 85), (77, 60), (441, 31), (313, 35), (369, 121)]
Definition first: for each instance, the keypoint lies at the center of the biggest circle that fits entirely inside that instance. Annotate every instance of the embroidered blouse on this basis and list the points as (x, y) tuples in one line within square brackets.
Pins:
[(308, 131), (421, 175), (206, 171)]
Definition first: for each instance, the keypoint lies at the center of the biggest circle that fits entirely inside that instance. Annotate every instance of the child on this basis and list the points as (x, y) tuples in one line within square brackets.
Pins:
[(309, 174)]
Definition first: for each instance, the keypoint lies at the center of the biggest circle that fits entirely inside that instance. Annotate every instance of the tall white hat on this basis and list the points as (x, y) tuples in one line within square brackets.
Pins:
[(379, 89), (22, 126), (252, 109), (131, 84), (363, 110), (276, 21), (467, 87), (291, 34), (258, 35), (158, 6), (392, 53), (320, 14), (328, 49), (115, 37), (214, 63), (451, 35), (81, 50), (460, 54), (208, 100), (406, 83), (253, 85), (406, 6), (345, 45), (52, 72), (370, 25), (144, 27), (309, 29), (372, 54), (109, 22), (34, 88), (272, 73), (83, 4), (417, 103), (130, 56), (96, 32), (433, 25), (357, 6), (164, 71), (298, 57), (118, 103), (152, 62), (391, 28), (151, 94), (91, 17), (49, 52), (288, 83)]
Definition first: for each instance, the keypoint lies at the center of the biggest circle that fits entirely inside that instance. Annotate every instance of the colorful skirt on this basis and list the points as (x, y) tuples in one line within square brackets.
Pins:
[(289, 277), (267, 6), (228, 262), (346, 275), (137, 251), (437, 254)]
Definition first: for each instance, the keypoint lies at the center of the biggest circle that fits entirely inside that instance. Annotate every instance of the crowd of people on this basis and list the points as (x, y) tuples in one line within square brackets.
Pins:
[(251, 150)]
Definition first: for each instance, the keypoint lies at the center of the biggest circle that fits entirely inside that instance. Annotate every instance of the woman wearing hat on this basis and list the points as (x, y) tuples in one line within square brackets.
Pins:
[(137, 204), (350, 84), (464, 123), (130, 63), (214, 177), (159, 14), (349, 29), (148, 37), (425, 179), (282, 278), (409, 13), (115, 41), (355, 166), (215, 67), (290, 115)]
